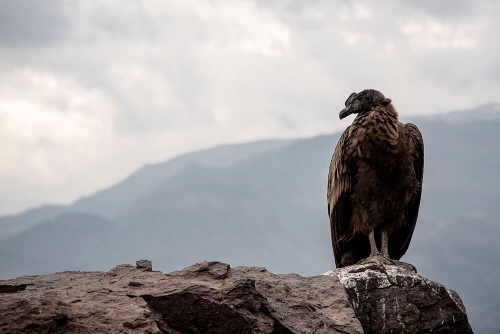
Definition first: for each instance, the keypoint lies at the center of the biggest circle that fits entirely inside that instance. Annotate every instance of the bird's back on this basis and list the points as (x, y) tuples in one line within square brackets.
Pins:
[(385, 177)]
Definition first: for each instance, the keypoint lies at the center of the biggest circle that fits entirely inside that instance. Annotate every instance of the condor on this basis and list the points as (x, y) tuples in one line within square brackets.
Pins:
[(374, 183)]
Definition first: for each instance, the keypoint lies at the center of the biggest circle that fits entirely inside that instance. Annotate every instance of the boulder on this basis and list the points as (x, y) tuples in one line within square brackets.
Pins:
[(212, 297), (395, 299)]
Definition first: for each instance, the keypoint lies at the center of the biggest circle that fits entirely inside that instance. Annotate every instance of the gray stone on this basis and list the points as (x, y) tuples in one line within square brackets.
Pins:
[(395, 299), (145, 265)]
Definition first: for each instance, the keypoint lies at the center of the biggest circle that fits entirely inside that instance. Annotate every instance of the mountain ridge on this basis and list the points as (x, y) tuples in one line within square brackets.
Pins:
[(270, 210), (15, 223)]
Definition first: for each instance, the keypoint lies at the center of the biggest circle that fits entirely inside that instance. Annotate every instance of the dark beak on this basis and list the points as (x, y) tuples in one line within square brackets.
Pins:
[(344, 112)]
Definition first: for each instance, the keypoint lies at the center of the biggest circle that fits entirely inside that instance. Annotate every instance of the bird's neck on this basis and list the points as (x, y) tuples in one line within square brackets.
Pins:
[(388, 112)]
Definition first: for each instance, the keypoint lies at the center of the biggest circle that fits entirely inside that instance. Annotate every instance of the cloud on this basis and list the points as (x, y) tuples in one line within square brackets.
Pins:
[(240, 27), (152, 102), (38, 104), (354, 12), (37, 22), (444, 9), (48, 127), (432, 34), (115, 84)]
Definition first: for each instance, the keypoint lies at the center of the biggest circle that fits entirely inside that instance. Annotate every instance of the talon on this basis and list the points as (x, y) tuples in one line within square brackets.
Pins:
[(388, 259), (377, 259)]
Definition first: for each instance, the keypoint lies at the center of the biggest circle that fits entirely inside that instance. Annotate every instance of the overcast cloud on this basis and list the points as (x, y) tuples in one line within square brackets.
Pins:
[(92, 90)]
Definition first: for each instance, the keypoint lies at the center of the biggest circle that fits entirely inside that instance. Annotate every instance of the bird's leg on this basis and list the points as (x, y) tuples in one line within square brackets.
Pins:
[(385, 244), (373, 245), (375, 256), (385, 253)]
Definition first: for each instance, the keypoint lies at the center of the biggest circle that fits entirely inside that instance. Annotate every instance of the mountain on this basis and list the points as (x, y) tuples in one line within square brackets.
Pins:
[(109, 202), (267, 207), (69, 242), (255, 210), (481, 113)]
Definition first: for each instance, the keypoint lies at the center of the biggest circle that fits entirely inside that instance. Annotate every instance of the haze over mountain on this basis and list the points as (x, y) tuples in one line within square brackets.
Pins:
[(264, 204), (110, 201), (93, 90)]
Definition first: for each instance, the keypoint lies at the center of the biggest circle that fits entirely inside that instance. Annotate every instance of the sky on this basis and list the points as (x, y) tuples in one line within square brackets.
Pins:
[(90, 91)]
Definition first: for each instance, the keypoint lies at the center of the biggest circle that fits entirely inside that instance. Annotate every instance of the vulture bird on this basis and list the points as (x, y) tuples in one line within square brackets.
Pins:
[(374, 183)]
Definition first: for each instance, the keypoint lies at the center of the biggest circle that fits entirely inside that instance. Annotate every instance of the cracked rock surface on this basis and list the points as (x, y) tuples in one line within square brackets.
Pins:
[(208, 297), (394, 299), (212, 297)]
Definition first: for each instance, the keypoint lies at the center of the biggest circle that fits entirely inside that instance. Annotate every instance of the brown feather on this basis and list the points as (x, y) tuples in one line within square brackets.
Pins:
[(374, 182)]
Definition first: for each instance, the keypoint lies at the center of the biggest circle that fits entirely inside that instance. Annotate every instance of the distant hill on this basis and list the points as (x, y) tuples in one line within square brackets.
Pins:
[(482, 113), (108, 202), (68, 242), (264, 204)]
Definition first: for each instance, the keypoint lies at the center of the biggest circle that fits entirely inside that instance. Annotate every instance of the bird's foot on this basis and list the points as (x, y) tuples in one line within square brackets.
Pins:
[(377, 259), (382, 261)]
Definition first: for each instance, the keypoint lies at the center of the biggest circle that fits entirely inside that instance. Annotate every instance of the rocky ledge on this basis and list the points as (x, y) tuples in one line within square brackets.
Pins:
[(212, 297), (394, 299)]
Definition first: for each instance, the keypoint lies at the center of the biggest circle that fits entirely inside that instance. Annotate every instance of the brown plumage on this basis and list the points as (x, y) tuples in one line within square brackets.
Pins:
[(374, 182)]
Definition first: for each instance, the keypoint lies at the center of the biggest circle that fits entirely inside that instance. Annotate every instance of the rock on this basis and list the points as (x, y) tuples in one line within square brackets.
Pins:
[(393, 299), (208, 297), (212, 297), (144, 265)]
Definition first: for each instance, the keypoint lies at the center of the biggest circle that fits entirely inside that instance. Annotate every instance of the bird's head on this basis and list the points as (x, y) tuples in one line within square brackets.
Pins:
[(363, 101)]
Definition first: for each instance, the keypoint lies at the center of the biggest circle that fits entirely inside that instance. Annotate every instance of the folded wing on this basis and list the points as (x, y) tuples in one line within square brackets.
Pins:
[(341, 181), (400, 239)]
